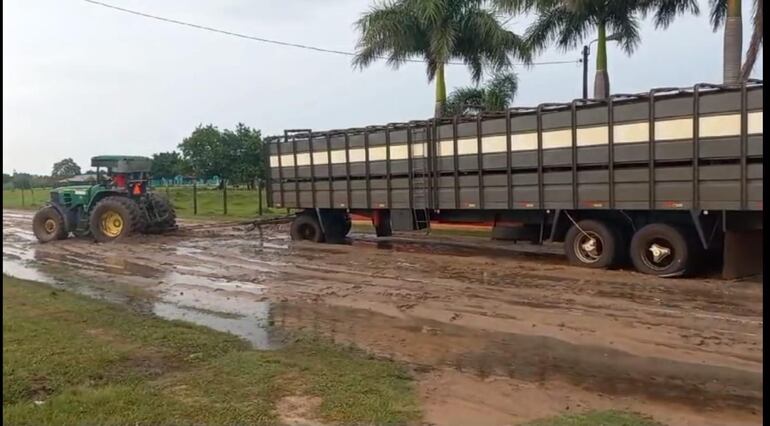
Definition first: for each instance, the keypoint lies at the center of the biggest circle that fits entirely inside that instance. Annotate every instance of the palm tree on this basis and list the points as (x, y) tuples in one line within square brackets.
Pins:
[(437, 31), (728, 13), (496, 95), (567, 23), (755, 43)]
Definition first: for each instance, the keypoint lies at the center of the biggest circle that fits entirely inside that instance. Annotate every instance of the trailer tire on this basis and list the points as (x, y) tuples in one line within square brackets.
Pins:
[(305, 227), (661, 250), (592, 244)]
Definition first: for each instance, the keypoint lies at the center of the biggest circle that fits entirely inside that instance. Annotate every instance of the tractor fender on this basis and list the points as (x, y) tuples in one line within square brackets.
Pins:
[(98, 196), (67, 215)]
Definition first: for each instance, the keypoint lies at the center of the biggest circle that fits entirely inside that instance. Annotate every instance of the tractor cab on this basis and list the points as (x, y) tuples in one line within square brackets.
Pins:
[(123, 172)]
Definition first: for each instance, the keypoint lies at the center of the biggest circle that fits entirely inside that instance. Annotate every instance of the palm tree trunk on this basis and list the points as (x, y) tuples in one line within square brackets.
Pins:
[(733, 43), (755, 43), (602, 78), (440, 91)]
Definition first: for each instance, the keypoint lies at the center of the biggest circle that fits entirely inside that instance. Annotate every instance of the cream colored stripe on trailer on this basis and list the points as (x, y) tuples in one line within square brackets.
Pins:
[(717, 125)]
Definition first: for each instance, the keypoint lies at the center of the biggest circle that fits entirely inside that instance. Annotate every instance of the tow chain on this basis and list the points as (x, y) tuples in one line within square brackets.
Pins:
[(253, 223), (578, 226)]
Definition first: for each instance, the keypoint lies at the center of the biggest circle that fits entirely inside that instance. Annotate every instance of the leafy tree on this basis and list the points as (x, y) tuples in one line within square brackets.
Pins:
[(202, 149), (167, 165), (65, 168), (438, 31), (567, 23), (496, 95), (233, 155), (7, 178), (247, 142), (22, 180)]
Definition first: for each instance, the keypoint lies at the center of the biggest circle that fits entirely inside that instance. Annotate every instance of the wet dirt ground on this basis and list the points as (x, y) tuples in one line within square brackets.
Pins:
[(494, 336)]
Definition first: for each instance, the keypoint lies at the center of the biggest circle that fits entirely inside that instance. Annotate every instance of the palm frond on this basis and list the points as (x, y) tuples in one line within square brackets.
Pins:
[(462, 98), (665, 11), (500, 91), (718, 13), (626, 27), (387, 30)]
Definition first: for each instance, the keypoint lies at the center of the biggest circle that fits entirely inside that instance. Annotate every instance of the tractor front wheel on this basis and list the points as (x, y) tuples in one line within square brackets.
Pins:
[(114, 218), (48, 225)]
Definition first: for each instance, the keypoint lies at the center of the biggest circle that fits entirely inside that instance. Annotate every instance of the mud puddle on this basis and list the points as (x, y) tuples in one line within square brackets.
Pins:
[(190, 298)]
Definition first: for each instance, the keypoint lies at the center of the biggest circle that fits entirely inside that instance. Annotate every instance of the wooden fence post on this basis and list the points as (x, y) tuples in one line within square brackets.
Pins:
[(195, 197), (224, 196)]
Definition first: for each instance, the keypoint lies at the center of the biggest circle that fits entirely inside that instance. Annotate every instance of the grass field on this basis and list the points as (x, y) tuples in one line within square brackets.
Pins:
[(70, 360), (240, 202)]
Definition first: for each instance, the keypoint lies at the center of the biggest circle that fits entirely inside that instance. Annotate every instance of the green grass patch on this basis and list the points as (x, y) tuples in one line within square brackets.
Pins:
[(25, 199), (68, 359), (597, 418), (240, 202)]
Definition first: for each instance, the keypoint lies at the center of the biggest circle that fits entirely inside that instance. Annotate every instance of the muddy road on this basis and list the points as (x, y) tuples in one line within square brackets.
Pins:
[(494, 338)]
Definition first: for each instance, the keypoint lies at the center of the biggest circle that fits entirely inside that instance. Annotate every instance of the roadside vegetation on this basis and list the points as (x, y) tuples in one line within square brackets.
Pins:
[(241, 202), (68, 359)]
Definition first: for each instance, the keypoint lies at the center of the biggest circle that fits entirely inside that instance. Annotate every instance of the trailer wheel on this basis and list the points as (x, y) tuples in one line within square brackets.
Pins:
[(662, 250), (591, 244), (305, 227)]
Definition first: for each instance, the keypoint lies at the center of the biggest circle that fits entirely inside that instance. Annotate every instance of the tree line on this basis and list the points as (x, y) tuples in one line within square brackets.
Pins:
[(234, 156)]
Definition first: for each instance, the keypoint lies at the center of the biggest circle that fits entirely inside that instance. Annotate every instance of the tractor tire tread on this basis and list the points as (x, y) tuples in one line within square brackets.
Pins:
[(131, 213)]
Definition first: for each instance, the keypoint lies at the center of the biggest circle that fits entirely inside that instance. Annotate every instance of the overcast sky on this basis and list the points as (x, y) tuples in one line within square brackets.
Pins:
[(82, 80)]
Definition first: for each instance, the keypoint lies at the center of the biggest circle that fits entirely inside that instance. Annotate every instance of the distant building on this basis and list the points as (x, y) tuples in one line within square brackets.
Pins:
[(89, 178), (185, 180)]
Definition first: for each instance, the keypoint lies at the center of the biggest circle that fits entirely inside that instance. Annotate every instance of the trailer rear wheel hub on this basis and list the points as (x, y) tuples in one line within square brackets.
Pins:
[(659, 253), (588, 247)]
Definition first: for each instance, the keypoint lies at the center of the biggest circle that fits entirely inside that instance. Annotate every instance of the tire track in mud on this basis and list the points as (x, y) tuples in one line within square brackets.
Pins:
[(525, 318)]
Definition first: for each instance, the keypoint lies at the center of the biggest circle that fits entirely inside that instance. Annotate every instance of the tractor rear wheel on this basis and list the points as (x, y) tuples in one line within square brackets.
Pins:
[(48, 225), (159, 207), (115, 218)]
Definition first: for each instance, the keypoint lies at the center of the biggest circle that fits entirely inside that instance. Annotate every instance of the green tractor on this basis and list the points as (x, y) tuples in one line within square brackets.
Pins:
[(118, 205)]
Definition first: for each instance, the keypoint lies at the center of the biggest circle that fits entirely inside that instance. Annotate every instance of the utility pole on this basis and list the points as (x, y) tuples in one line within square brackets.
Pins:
[(585, 71)]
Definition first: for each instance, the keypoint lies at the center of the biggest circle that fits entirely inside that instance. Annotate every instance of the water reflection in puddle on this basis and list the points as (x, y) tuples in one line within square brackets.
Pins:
[(254, 328), (235, 307)]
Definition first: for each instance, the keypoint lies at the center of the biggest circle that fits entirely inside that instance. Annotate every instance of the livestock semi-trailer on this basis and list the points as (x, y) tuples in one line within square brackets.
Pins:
[(667, 178)]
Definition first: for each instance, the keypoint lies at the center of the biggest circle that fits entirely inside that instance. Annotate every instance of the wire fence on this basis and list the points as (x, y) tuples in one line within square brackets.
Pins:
[(188, 200)]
